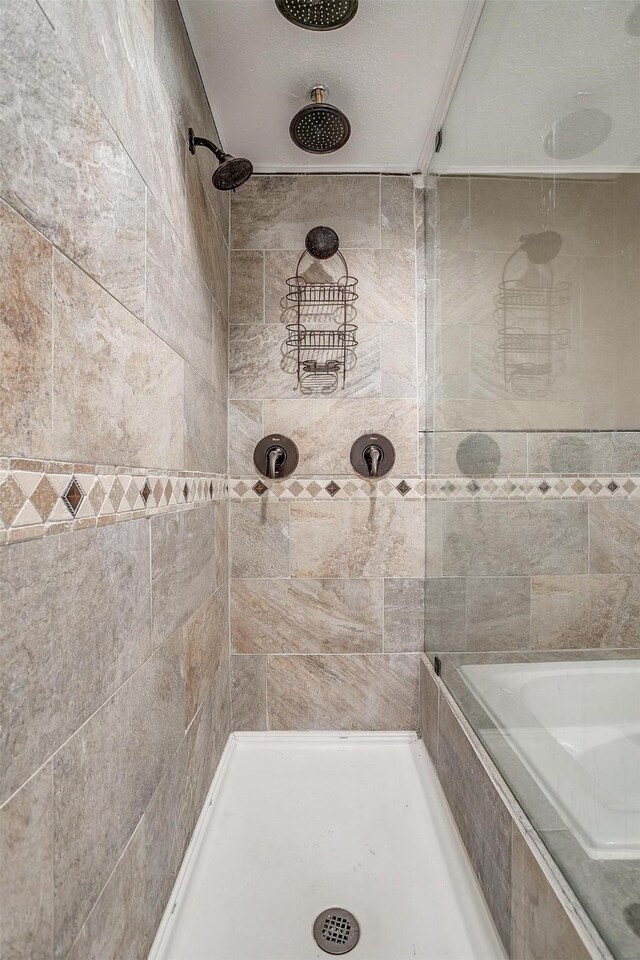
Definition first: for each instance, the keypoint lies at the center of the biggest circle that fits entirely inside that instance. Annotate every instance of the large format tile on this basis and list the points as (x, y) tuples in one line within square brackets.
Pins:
[(365, 692), (277, 211), (587, 611), (179, 305), (245, 430), (445, 613), (306, 616), (25, 316), (182, 566), (386, 284), (428, 719), (249, 692), (26, 879), (63, 167), (584, 453), (259, 539), (206, 645), (514, 539), (540, 927), (75, 625), (479, 454), (482, 818), (397, 228), (204, 237), (498, 613), (205, 425), (404, 607), (373, 539), (246, 293), (117, 394), (104, 778), (614, 530)]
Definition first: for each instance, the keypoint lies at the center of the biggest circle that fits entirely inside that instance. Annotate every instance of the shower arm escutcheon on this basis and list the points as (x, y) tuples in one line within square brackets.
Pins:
[(275, 457)]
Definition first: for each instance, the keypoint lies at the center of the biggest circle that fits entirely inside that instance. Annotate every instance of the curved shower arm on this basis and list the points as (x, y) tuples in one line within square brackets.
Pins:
[(203, 142)]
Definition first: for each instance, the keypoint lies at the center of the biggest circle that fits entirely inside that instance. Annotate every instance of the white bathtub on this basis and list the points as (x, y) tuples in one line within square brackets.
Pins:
[(576, 728)]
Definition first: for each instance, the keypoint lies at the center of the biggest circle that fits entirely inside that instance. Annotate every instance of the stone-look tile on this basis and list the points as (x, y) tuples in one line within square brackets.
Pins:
[(245, 430), (276, 212), (453, 204), (246, 295), (118, 926), (205, 425), (482, 818), (249, 693), (75, 625), (117, 388), (365, 692), (398, 347), (479, 454), (204, 237), (386, 284), (584, 217), (514, 539), (259, 539), (468, 285), (397, 420), (404, 615), (540, 927), (606, 888), (104, 777), (91, 202), (206, 645), (498, 613), (433, 538), (25, 358), (373, 539), (117, 64), (221, 543), (179, 305), (397, 229), (445, 613), (182, 566), (452, 361), (220, 353), (306, 616), (26, 881), (614, 530), (428, 719), (591, 611), (502, 210)]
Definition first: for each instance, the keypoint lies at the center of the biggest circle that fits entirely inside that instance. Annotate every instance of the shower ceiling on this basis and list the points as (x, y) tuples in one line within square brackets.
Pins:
[(390, 70)]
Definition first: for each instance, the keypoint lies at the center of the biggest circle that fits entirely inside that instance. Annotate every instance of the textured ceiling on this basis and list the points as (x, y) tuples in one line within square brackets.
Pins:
[(389, 70)]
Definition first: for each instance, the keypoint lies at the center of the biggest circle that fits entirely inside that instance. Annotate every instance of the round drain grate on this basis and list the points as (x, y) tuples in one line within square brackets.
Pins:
[(336, 931)]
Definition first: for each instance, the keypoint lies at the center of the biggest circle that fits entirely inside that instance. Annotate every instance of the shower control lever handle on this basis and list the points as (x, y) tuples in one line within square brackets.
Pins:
[(373, 456), (274, 455)]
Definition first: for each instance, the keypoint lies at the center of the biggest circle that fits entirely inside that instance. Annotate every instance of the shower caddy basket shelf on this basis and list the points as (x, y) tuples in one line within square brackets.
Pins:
[(322, 354)]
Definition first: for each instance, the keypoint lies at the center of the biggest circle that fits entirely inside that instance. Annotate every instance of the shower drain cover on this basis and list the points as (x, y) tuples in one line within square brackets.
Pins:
[(336, 931)]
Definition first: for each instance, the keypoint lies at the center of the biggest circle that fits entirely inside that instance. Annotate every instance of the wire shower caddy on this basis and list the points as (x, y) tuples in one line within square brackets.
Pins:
[(322, 354)]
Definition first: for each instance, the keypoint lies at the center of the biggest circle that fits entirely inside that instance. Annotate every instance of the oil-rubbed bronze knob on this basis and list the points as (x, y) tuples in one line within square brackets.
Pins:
[(372, 456), (275, 457)]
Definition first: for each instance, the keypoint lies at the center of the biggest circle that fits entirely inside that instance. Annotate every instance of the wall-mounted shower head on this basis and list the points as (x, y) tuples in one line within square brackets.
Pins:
[(232, 172), (318, 14), (319, 127)]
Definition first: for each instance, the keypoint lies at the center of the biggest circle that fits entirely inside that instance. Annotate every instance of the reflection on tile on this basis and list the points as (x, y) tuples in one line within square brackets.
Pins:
[(404, 608), (366, 692), (614, 530), (246, 299), (104, 778), (259, 539), (479, 454), (306, 616), (498, 613), (372, 539), (91, 203), (396, 213), (277, 211), (25, 319), (445, 613), (75, 625), (117, 387), (592, 611), (26, 879), (453, 201), (540, 927), (249, 692), (478, 538)]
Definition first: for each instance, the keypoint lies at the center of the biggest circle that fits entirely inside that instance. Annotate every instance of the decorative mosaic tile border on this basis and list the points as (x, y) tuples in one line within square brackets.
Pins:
[(38, 497), (436, 488)]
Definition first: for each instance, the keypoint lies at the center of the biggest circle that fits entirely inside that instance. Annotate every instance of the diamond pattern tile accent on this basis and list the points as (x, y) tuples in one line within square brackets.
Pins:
[(629, 486), (544, 486), (403, 488), (12, 499), (595, 486), (211, 489), (116, 494), (185, 491), (613, 486), (96, 496), (44, 498), (332, 488), (260, 487), (145, 493), (314, 488), (473, 487), (73, 496)]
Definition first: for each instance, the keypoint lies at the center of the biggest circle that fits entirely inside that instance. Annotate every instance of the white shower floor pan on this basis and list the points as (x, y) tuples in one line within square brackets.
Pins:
[(296, 823)]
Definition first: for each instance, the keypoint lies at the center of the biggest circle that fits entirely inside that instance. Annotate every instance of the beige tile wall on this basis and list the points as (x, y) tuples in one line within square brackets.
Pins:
[(115, 699), (318, 637)]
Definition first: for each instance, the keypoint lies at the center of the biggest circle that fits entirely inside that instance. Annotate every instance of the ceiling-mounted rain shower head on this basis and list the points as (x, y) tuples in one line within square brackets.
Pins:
[(319, 127), (232, 171), (318, 14)]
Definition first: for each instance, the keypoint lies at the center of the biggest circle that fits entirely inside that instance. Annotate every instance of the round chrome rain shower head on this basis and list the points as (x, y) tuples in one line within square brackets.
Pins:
[(232, 171), (319, 127), (322, 243), (318, 14)]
